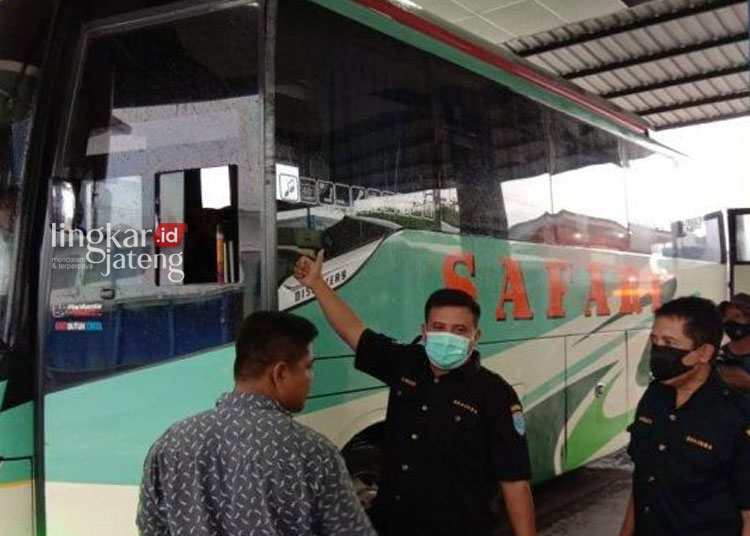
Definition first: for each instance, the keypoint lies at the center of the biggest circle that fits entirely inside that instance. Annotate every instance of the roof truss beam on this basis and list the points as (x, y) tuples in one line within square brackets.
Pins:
[(673, 82), (635, 25), (661, 55), (703, 121), (745, 94)]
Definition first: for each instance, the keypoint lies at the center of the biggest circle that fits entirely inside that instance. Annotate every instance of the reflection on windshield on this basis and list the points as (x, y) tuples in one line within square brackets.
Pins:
[(22, 26)]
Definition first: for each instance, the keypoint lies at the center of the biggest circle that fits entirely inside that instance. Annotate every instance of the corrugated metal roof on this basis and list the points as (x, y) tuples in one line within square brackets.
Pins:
[(673, 62)]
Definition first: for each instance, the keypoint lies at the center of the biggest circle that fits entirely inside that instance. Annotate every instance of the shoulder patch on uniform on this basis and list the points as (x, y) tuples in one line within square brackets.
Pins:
[(645, 420), (518, 422)]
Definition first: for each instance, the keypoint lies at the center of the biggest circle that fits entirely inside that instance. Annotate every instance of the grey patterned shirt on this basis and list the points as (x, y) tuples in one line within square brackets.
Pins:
[(246, 468)]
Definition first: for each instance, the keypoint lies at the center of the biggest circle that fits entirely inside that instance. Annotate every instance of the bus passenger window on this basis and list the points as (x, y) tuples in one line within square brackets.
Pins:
[(205, 200), (588, 186), (354, 117)]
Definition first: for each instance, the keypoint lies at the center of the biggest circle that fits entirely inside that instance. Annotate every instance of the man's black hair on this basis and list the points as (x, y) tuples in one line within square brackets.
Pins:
[(452, 297), (267, 337), (703, 323)]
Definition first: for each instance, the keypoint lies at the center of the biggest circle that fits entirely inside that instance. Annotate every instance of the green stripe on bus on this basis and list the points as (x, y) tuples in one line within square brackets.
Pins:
[(16, 439)]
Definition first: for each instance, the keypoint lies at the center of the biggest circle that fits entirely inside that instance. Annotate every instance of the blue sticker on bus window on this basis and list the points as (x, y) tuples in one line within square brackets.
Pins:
[(518, 423)]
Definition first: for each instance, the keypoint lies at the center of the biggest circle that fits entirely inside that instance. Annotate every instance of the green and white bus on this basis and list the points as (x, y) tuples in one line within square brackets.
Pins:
[(417, 156)]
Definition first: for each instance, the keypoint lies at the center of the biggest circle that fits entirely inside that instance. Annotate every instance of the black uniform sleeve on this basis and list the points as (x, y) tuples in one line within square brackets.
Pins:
[(742, 468), (382, 357), (509, 453)]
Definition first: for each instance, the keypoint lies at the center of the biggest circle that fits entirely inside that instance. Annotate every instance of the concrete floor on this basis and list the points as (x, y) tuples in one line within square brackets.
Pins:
[(590, 501)]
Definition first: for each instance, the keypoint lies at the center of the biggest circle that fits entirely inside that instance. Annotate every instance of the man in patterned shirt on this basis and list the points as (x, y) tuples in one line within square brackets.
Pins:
[(246, 467)]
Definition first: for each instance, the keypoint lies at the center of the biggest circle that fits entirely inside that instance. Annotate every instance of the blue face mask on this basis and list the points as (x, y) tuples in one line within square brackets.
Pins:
[(446, 350)]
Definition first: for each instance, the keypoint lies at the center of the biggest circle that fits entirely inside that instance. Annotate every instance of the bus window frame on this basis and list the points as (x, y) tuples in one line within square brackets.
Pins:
[(719, 217), (133, 21), (732, 213), (120, 24)]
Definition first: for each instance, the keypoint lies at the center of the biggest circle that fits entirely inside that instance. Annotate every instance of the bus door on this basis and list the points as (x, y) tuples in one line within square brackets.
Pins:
[(154, 246), (739, 250)]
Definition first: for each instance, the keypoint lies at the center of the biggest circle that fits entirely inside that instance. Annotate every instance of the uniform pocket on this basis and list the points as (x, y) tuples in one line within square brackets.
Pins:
[(641, 440)]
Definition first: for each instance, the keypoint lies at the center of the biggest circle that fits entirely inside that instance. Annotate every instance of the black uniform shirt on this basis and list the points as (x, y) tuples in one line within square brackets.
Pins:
[(449, 441), (692, 464)]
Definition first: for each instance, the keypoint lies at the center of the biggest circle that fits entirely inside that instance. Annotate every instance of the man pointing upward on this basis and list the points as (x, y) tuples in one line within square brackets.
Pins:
[(455, 432)]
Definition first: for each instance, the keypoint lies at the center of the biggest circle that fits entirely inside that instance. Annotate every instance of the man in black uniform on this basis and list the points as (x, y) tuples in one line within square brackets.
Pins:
[(690, 440), (454, 430), (734, 358)]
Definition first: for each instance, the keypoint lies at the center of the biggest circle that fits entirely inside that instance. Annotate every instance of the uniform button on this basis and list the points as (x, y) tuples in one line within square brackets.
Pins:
[(672, 417), (436, 380), (424, 407), (398, 393), (397, 497), (646, 509), (414, 437), (652, 478), (457, 418), (404, 468), (662, 447)]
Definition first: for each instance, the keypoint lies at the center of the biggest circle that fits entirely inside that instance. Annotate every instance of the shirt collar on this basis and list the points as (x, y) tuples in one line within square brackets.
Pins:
[(712, 387), (249, 401), (466, 370)]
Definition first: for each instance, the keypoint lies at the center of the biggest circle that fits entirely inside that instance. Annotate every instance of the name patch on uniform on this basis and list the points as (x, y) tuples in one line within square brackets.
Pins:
[(645, 420), (699, 442), (408, 381), (467, 407), (518, 421)]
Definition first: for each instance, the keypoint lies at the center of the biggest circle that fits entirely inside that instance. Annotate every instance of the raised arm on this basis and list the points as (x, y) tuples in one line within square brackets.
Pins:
[(342, 318)]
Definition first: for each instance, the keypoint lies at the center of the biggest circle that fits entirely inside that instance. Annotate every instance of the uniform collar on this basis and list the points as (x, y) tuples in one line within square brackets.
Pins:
[(713, 386), (249, 402), (471, 367)]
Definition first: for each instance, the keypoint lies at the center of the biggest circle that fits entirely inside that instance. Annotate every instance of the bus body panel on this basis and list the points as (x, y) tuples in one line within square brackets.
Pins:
[(98, 433)]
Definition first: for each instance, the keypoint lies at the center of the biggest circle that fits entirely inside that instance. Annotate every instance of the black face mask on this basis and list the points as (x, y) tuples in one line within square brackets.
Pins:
[(736, 331), (666, 362)]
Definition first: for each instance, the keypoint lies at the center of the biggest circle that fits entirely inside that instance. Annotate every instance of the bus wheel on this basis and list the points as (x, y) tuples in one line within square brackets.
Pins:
[(363, 460)]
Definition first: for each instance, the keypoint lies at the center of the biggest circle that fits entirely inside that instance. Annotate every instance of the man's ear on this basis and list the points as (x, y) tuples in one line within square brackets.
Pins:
[(478, 335), (278, 372)]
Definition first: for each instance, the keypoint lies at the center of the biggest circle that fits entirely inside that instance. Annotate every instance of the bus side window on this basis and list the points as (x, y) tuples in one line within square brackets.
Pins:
[(588, 186), (205, 200)]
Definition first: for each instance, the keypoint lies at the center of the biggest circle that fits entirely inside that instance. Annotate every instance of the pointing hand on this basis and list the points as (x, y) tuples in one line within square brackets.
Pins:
[(308, 271)]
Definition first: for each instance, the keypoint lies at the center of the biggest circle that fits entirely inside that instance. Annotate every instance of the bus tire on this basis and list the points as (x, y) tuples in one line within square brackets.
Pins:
[(363, 459)]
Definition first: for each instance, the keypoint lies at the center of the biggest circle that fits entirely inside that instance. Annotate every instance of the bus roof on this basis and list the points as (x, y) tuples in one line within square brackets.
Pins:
[(418, 28)]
